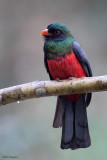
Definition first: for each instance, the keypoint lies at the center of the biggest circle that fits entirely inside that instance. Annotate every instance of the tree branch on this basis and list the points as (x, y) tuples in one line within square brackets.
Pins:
[(38, 89)]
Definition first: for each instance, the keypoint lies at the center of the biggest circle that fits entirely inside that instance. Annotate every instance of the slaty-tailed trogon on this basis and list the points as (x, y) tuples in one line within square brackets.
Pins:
[(64, 58)]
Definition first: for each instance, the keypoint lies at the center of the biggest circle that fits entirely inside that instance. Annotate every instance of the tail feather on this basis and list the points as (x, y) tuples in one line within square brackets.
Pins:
[(58, 114), (67, 126), (81, 124), (75, 132)]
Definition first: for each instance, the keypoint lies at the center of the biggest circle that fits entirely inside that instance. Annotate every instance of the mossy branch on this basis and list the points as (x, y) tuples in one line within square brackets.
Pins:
[(38, 89)]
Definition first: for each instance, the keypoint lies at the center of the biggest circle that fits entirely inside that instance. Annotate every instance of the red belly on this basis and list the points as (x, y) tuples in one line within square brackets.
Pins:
[(65, 67)]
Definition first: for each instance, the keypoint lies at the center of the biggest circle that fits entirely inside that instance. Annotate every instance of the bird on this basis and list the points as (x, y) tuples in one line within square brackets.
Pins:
[(64, 58)]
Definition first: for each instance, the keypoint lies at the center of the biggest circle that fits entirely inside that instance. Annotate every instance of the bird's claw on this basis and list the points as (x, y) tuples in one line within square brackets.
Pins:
[(57, 79), (71, 78)]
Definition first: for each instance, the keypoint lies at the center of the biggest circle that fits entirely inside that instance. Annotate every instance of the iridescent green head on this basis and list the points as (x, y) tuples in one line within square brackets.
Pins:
[(58, 40), (56, 32)]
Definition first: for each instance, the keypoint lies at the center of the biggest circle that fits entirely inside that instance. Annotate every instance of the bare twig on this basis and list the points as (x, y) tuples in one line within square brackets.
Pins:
[(38, 89)]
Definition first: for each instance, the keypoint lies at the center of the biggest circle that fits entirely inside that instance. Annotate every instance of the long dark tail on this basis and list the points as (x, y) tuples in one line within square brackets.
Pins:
[(75, 132)]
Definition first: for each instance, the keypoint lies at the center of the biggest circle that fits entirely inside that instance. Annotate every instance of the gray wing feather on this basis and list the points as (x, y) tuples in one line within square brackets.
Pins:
[(81, 56)]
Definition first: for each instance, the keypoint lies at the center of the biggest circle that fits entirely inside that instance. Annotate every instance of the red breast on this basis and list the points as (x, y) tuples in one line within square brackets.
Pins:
[(65, 67)]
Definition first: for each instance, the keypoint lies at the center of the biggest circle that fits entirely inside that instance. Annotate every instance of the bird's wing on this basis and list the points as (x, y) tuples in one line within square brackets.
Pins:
[(81, 56)]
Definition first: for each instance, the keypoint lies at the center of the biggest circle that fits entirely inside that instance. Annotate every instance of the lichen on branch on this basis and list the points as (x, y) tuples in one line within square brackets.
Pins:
[(38, 89)]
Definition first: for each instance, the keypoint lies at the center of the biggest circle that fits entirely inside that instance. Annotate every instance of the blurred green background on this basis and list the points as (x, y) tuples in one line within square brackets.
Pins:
[(26, 128)]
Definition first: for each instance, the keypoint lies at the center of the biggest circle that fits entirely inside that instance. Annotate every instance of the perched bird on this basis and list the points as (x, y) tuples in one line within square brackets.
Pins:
[(64, 58)]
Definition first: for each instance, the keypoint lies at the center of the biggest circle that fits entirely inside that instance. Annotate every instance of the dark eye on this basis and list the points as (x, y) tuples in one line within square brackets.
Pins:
[(57, 32)]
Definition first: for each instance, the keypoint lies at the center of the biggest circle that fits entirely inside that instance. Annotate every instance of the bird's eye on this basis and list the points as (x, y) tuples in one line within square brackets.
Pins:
[(57, 32)]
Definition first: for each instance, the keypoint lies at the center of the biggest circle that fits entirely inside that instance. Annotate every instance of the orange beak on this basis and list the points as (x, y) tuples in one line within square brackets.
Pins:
[(45, 33)]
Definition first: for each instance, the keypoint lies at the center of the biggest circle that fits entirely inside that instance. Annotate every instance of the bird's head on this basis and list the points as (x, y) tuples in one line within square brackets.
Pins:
[(56, 32)]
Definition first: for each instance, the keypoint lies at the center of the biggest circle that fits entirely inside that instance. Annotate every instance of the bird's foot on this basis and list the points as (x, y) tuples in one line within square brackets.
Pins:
[(71, 78), (57, 79)]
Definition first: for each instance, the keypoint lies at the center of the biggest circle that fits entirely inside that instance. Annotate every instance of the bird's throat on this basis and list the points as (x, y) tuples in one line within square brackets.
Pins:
[(54, 49)]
